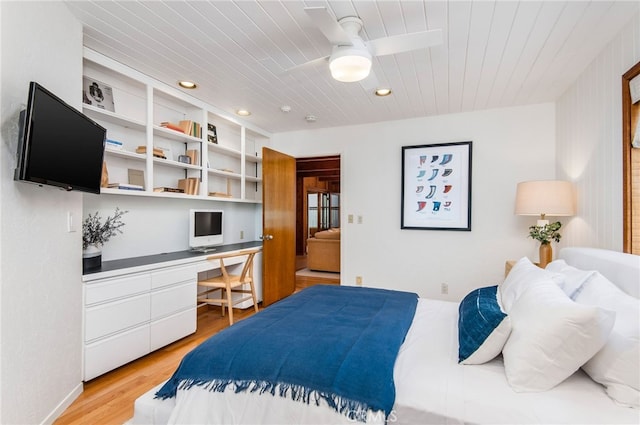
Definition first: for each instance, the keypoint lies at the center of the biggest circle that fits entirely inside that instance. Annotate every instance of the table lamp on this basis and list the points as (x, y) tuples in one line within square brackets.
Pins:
[(542, 198)]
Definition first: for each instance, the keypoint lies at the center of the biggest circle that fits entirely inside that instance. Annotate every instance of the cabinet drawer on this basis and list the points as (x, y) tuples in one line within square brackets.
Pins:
[(109, 353), (105, 319), (172, 328), (111, 289), (172, 276), (173, 299)]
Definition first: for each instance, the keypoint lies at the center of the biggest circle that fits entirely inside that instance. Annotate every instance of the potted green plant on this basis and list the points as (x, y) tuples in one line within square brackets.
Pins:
[(95, 233), (545, 234)]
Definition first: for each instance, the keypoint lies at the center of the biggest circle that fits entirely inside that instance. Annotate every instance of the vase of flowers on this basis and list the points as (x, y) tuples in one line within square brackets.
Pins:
[(545, 234), (95, 233)]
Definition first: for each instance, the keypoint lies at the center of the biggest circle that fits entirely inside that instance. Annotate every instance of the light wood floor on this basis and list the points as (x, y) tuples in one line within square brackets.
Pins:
[(306, 277), (108, 399)]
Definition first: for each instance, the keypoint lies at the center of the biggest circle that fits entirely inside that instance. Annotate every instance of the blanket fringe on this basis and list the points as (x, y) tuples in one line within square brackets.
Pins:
[(354, 410)]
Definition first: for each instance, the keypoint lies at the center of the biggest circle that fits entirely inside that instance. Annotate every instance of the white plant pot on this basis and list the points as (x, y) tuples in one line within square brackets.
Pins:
[(91, 258)]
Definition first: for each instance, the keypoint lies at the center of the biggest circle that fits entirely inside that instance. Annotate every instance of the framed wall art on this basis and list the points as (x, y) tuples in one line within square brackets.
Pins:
[(436, 186), (97, 94)]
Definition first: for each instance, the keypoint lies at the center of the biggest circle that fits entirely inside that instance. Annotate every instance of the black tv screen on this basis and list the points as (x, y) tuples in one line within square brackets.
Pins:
[(58, 145)]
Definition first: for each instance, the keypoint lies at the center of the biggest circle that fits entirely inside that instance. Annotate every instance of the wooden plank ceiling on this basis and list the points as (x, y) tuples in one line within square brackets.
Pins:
[(495, 53)]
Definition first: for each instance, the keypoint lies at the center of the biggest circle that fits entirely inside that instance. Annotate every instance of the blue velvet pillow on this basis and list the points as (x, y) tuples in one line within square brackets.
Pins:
[(483, 328)]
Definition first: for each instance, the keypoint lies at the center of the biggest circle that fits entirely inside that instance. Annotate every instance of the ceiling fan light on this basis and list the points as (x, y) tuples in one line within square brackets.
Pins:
[(350, 66)]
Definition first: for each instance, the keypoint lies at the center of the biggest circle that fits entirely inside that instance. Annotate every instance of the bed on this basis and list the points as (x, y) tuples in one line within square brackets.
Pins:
[(432, 386)]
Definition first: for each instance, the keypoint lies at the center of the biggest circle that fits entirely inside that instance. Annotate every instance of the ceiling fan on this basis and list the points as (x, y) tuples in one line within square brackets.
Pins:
[(351, 56)]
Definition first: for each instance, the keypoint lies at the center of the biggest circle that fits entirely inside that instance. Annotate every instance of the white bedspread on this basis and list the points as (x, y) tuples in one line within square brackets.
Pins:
[(431, 388)]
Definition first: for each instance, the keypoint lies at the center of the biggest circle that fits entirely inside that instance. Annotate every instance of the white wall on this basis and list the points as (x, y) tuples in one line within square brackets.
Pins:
[(589, 142), (154, 226), (40, 266), (509, 145)]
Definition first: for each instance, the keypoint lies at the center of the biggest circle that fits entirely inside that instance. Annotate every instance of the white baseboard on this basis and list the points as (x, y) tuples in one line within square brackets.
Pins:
[(62, 406)]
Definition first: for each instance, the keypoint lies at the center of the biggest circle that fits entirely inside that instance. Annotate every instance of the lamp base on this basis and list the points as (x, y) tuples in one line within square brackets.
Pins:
[(546, 254)]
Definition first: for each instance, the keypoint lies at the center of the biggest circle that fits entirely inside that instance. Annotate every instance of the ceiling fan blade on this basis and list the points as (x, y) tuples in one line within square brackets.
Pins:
[(405, 42), (328, 25), (371, 83), (307, 65)]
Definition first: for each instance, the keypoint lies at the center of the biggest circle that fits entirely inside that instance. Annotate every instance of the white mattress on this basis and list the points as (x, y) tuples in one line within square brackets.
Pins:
[(431, 387)]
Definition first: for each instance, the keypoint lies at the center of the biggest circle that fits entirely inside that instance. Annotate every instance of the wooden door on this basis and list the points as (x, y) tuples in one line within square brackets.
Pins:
[(278, 225), (630, 165)]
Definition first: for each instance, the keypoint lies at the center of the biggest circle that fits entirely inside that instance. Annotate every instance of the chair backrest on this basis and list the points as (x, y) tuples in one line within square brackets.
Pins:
[(247, 268)]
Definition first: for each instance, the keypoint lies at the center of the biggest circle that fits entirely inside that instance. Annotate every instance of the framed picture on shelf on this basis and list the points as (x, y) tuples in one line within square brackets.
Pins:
[(97, 94), (136, 177), (212, 133), (436, 186)]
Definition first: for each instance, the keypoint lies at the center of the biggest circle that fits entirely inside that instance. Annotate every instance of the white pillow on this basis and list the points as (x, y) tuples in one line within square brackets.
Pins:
[(551, 337), (573, 278), (523, 274), (617, 365)]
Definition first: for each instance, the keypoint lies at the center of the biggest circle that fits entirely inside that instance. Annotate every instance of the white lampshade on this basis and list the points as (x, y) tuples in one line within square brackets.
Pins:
[(545, 197), (350, 64)]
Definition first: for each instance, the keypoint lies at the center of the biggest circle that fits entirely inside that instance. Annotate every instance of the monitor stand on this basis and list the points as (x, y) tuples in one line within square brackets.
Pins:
[(203, 249)]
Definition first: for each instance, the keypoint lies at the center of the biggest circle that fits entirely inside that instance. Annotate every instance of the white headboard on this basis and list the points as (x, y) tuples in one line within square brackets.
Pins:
[(620, 268)]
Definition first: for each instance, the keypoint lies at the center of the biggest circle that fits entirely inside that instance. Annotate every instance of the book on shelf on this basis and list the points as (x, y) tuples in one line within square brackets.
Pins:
[(185, 125), (171, 126), (193, 154), (113, 144), (191, 128), (157, 152), (125, 186), (190, 185), (220, 194), (168, 189)]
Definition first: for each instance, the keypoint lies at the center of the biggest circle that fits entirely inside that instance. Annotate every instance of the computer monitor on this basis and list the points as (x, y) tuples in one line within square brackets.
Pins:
[(205, 229)]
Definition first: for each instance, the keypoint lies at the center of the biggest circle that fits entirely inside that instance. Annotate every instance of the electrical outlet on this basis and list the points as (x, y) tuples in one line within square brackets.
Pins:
[(241, 234), (350, 218), (444, 288), (359, 219), (359, 280)]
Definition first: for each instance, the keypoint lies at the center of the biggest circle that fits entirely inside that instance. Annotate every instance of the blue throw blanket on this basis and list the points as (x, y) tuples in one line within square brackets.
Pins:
[(333, 343)]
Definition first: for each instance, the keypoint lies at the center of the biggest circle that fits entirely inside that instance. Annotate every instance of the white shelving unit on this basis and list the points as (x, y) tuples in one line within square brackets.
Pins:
[(228, 170)]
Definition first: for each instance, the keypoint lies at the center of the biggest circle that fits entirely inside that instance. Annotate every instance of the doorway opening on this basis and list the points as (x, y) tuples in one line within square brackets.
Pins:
[(317, 220)]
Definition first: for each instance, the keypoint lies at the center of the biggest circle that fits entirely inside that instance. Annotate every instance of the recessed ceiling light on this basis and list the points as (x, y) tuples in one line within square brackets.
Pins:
[(243, 112), (187, 84), (383, 92)]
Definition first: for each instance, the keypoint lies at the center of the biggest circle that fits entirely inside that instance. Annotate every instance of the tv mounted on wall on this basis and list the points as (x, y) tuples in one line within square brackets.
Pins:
[(58, 145), (205, 229)]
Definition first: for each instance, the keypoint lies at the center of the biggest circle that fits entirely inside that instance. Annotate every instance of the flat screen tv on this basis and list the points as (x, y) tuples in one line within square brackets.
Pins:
[(205, 229), (58, 145)]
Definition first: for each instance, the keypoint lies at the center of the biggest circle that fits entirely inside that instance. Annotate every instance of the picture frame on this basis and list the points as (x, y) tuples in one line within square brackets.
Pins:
[(97, 93), (212, 134), (436, 186)]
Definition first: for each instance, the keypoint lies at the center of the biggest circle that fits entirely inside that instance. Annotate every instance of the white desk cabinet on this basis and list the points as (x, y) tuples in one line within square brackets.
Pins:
[(136, 305), (128, 316)]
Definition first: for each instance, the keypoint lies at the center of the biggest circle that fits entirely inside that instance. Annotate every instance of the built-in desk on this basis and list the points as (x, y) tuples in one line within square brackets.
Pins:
[(149, 262), (136, 305)]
